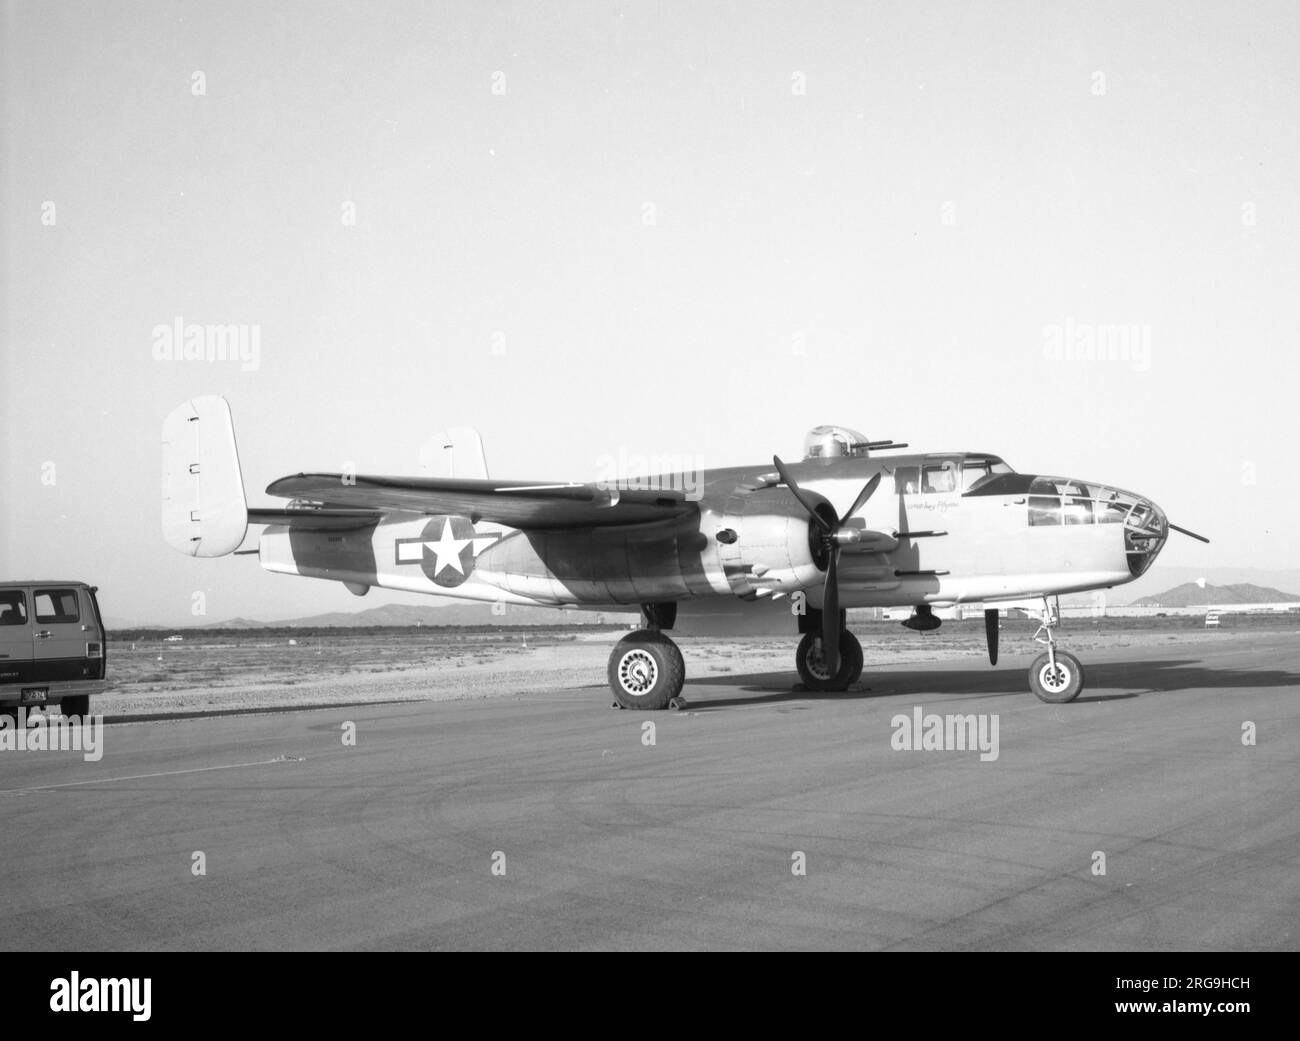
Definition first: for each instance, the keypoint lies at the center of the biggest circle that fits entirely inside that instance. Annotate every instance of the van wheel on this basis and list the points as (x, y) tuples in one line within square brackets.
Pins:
[(77, 705)]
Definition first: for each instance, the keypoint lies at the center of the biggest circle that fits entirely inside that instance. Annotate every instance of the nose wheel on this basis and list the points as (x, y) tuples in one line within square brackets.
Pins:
[(1055, 676)]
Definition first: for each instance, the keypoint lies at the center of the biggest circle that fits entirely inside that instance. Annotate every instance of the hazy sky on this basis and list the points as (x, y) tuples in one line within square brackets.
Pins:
[(643, 228)]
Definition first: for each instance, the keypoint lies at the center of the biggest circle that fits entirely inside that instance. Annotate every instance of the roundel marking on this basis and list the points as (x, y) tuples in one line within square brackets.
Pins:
[(444, 550)]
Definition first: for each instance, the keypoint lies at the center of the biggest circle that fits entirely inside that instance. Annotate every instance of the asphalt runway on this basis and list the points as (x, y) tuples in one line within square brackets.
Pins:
[(612, 844)]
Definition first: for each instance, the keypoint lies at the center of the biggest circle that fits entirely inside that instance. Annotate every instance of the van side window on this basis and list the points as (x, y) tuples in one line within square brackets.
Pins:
[(13, 607), (56, 606)]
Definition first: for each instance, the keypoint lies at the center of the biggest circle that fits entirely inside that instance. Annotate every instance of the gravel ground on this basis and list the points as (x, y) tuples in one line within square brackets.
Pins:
[(250, 671)]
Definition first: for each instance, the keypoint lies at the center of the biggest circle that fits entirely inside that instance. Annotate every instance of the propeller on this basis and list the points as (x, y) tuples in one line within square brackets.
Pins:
[(991, 633), (833, 535)]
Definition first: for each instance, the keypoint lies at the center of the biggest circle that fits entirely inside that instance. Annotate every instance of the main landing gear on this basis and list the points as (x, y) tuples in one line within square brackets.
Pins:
[(646, 670), (1055, 677), (811, 663)]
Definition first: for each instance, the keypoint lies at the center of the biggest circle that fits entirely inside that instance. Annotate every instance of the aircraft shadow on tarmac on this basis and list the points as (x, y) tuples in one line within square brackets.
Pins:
[(1114, 681)]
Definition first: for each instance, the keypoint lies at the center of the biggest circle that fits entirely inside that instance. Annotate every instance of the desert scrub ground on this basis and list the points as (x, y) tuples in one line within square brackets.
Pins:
[(258, 669)]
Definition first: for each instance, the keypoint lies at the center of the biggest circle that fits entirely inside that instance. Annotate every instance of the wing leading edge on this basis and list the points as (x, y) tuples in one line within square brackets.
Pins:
[(518, 504)]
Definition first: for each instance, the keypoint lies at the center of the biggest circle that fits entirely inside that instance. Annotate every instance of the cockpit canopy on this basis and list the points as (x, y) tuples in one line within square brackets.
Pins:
[(832, 442), (948, 473)]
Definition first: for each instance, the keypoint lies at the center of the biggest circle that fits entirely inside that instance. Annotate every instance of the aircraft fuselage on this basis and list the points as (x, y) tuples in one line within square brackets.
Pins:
[(942, 528)]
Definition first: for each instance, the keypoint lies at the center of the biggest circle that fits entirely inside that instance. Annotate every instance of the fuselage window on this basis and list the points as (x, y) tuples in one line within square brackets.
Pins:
[(929, 479), (1112, 510), (1044, 509), (907, 480), (940, 477), (1054, 500), (1076, 506)]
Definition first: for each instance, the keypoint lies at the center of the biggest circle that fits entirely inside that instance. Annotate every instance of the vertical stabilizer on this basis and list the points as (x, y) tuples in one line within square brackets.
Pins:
[(459, 450), (204, 512)]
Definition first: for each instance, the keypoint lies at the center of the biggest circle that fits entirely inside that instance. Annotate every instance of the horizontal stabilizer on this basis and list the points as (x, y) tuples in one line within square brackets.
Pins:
[(316, 520), (204, 512)]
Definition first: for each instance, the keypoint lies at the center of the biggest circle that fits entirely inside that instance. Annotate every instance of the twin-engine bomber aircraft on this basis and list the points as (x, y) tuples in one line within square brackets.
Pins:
[(842, 528)]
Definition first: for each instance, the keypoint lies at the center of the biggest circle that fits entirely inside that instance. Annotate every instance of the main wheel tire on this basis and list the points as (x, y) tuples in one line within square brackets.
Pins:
[(1059, 685), (812, 666), (78, 705), (856, 658), (646, 670)]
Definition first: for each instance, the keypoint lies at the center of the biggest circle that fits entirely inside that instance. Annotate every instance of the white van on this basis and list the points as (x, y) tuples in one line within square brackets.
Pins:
[(51, 646)]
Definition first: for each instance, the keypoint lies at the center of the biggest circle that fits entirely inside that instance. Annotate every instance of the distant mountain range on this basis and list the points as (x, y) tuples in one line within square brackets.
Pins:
[(1162, 578), (1191, 593), (1159, 587)]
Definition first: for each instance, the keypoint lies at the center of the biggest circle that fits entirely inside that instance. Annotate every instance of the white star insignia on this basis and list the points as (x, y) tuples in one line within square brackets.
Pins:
[(448, 549)]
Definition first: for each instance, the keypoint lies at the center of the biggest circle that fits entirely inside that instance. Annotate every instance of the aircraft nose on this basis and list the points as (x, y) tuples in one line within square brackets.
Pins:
[(1145, 530)]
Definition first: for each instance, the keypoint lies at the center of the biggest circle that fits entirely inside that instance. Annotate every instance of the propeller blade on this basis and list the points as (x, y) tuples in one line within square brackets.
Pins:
[(1191, 534), (991, 633), (831, 614), (862, 498), (801, 495)]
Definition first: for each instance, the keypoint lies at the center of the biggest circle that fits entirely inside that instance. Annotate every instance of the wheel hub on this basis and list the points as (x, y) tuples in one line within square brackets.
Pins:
[(638, 672), (1054, 678), (816, 661)]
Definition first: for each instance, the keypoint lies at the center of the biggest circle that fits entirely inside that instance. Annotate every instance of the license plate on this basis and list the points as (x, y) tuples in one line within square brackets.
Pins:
[(33, 695)]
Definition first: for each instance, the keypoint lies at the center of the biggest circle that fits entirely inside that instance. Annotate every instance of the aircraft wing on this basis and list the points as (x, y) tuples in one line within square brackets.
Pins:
[(518, 504)]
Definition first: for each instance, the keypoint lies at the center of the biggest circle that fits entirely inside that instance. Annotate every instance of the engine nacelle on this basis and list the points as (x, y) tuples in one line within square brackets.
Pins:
[(772, 548)]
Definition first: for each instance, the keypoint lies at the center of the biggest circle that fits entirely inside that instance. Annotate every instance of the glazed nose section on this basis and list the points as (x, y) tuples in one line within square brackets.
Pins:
[(1137, 527), (1145, 530)]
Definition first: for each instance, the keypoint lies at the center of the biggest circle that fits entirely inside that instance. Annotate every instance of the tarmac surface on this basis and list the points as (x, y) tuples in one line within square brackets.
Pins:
[(610, 843)]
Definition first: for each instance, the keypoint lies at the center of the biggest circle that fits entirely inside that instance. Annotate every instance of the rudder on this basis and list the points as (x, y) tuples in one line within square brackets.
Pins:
[(204, 512)]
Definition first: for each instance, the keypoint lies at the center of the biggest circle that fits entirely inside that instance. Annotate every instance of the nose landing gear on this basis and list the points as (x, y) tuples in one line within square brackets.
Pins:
[(1056, 676)]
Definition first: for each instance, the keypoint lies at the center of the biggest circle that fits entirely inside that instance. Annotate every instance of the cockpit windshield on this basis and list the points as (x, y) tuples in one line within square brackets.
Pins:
[(977, 470)]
